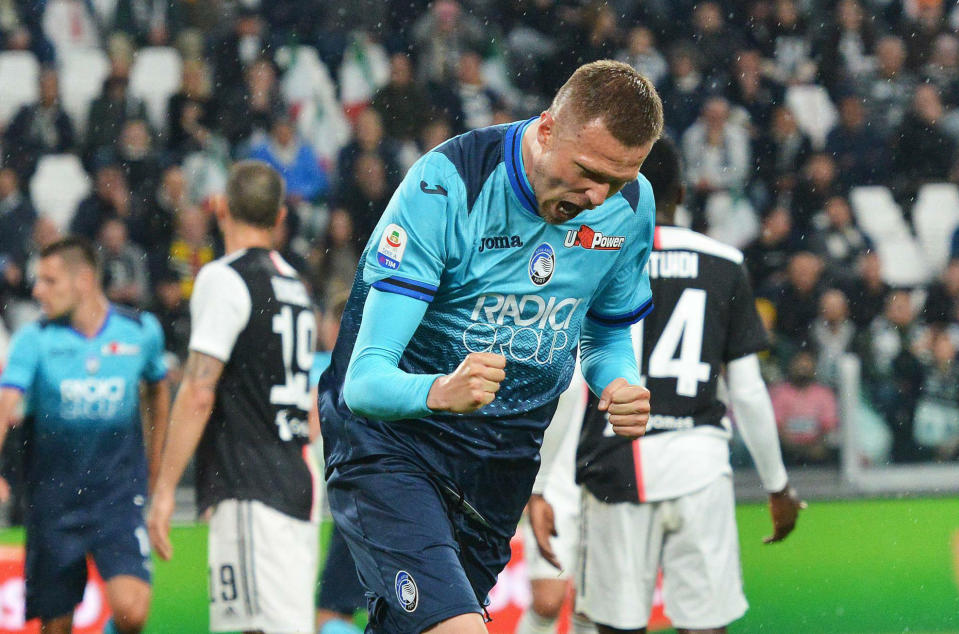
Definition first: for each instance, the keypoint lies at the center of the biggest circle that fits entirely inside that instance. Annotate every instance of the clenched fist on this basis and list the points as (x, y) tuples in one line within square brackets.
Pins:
[(471, 386), (627, 406)]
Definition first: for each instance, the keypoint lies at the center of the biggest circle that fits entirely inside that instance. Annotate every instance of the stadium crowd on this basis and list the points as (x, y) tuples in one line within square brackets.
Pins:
[(783, 109)]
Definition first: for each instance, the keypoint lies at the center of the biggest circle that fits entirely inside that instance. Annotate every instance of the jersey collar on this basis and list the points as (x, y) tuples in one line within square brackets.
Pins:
[(515, 171)]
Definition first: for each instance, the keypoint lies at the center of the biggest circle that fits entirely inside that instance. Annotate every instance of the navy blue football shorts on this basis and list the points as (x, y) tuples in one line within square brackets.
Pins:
[(113, 534), (423, 553)]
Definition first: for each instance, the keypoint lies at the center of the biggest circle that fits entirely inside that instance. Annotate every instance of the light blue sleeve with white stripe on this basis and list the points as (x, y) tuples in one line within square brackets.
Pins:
[(408, 249)]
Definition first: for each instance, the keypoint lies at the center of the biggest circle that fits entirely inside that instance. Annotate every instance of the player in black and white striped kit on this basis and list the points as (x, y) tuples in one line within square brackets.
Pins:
[(243, 406), (666, 499)]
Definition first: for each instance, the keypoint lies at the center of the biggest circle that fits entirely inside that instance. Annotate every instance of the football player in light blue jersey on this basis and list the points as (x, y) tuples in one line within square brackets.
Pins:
[(501, 251), (80, 371)]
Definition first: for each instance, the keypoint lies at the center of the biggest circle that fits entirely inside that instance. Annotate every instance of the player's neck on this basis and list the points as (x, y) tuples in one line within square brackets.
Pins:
[(89, 316), (526, 151), (241, 236)]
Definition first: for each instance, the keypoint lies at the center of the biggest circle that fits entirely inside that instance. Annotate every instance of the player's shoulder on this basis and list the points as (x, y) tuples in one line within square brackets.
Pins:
[(669, 238), (472, 157), (35, 329), (223, 270), (140, 320), (638, 192)]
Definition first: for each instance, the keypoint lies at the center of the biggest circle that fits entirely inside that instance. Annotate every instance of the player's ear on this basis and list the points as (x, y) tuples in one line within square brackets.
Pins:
[(547, 125)]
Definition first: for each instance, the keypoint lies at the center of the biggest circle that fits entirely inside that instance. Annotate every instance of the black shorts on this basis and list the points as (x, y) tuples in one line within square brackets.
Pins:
[(422, 552)]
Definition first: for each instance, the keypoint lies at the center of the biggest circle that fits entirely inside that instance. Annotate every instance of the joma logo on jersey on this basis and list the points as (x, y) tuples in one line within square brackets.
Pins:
[(525, 328), (500, 242), (589, 238)]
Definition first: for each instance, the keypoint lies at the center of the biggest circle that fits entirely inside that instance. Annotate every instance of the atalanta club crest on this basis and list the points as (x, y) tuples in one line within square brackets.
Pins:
[(406, 591), (542, 264)]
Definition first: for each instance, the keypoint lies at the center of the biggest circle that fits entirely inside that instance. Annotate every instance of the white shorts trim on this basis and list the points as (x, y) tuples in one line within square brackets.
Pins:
[(695, 540), (263, 566)]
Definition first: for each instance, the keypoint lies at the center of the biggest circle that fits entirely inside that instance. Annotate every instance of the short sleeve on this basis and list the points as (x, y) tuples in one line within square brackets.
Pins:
[(408, 249), (155, 369), (747, 335), (219, 309), (626, 297), (23, 360)]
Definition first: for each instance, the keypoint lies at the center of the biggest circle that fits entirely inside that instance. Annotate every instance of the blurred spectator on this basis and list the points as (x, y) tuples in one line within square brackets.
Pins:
[(833, 336), (253, 105), (683, 91), (780, 155), (140, 160), (436, 131), (954, 247), (838, 241), (755, 93), (942, 301), (366, 201), (715, 40), (477, 105), (793, 51), (440, 37), (334, 260), (108, 114), (758, 27), (867, 292), (891, 373), (797, 300), (38, 129), (18, 305), (846, 50), (641, 54), (173, 313), (889, 89), (192, 111), (920, 28), (16, 226), (110, 199), (937, 410), (592, 33), (364, 70), (806, 414), (149, 22), (942, 69), (767, 256), (859, 152), (124, 265), (921, 149), (294, 160), (368, 136), (401, 103), (70, 25), (716, 152), (153, 229), (192, 247), (283, 239), (233, 54), (817, 184)]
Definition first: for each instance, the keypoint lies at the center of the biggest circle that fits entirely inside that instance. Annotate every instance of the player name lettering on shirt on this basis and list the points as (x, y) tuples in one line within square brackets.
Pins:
[(673, 264), (521, 328), (289, 291)]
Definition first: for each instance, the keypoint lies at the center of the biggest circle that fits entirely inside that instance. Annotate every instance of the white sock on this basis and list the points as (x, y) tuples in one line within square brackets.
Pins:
[(533, 623), (582, 625)]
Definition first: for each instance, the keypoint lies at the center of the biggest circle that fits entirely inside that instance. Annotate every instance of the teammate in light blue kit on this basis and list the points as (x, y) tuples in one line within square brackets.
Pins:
[(80, 371), (500, 251)]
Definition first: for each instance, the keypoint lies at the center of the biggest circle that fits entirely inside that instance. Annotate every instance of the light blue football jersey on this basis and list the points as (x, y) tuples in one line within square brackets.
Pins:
[(462, 232), (83, 402)]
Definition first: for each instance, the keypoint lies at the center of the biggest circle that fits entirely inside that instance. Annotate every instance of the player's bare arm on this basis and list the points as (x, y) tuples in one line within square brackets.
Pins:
[(627, 406), (188, 418), (156, 416), (9, 400), (471, 386)]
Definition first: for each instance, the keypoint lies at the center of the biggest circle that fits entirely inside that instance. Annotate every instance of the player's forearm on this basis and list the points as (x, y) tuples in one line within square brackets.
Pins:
[(375, 387), (756, 420), (9, 399), (188, 418), (158, 417), (607, 354)]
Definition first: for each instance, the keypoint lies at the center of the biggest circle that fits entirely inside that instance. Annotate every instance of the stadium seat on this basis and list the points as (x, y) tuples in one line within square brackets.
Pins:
[(815, 113), (935, 217), (82, 73), (877, 213), (154, 78), (20, 81), (732, 220), (901, 262), (58, 186)]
